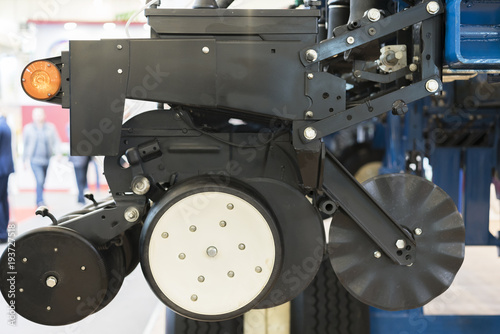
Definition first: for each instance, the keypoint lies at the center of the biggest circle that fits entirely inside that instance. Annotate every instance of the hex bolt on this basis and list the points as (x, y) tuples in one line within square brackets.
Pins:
[(164, 235), (211, 251), (310, 76), (192, 228), (311, 55), (357, 73), (51, 281), (400, 244), (432, 7), (194, 298), (309, 114), (230, 206), (310, 133), (131, 214), (373, 15), (399, 108), (119, 47), (182, 256), (418, 231), (120, 71), (350, 40), (205, 50), (140, 185), (201, 279), (222, 223), (432, 86), (258, 269), (241, 246), (377, 254), (413, 67), (230, 274)]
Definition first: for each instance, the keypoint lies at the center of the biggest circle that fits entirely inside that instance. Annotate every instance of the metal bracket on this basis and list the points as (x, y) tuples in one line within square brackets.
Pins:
[(368, 33), (367, 110), (343, 188)]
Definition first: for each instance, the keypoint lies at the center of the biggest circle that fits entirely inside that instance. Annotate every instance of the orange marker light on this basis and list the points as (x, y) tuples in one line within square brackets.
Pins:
[(41, 80)]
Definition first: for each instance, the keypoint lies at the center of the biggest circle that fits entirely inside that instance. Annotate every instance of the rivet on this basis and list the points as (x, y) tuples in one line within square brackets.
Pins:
[(230, 274), (49, 308), (350, 40), (310, 76), (377, 254), (164, 235), (201, 279), (25, 260), (56, 250), (194, 298), (78, 298), (311, 55), (119, 47), (182, 256), (241, 246), (192, 228), (212, 251), (83, 268), (418, 231), (258, 269), (21, 290), (120, 71), (222, 223), (205, 50), (310, 133), (230, 206)]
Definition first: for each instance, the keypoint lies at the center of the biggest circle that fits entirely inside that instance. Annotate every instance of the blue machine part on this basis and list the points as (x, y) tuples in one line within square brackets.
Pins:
[(472, 34), (415, 322)]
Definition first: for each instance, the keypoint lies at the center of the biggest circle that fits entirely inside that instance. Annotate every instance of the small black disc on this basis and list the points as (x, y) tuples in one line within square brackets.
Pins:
[(56, 277), (430, 215)]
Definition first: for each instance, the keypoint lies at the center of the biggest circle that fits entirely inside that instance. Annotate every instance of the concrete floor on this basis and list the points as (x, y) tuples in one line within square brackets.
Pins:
[(136, 310)]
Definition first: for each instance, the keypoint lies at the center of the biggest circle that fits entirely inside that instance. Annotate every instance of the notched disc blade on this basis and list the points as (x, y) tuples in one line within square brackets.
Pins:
[(414, 203)]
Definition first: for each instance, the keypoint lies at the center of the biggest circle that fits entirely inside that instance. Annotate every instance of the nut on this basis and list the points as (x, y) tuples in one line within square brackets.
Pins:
[(140, 185), (418, 231), (377, 254), (131, 214), (350, 40)]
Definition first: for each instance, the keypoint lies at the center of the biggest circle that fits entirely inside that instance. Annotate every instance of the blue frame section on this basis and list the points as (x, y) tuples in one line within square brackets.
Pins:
[(472, 33), (415, 322)]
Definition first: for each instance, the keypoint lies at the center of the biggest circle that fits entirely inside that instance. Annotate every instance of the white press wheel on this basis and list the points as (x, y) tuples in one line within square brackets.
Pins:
[(210, 253)]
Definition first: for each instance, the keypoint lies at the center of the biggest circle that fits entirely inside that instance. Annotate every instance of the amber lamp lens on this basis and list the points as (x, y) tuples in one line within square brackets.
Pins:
[(41, 80)]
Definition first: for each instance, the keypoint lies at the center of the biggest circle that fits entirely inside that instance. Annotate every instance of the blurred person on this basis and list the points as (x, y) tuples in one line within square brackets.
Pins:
[(6, 168), (40, 144), (81, 165)]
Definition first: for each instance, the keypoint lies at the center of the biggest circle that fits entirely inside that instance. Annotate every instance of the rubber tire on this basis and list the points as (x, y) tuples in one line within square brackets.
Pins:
[(177, 324), (325, 307)]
